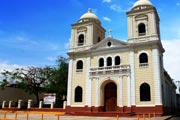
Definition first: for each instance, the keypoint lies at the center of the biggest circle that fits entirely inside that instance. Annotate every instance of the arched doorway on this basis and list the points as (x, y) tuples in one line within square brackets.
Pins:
[(110, 97)]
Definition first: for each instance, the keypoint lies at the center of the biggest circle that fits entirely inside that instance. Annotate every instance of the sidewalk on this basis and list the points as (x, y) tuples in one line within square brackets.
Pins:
[(60, 116), (109, 118)]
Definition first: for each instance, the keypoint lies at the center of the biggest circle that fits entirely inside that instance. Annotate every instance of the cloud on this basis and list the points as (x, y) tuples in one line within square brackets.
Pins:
[(51, 59), (26, 42), (10, 67), (107, 1), (106, 19), (117, 8), (178, 4), (172, 57)]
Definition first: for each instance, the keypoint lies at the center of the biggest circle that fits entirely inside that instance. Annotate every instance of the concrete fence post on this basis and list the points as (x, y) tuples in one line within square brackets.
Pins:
[(52, 105), (40, 104), (29, 103), (10, 102), (3, 104), (64, 104), (19, 104)]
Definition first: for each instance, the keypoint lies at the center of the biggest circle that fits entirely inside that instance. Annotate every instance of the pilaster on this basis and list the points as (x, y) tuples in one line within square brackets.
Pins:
[(157, 79), (132, 79), (128, 92), (88, 84), (69, 83), (97, 92), (120, 92)]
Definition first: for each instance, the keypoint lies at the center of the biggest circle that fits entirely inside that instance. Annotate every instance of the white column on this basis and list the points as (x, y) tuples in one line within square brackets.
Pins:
[(89, 35), (157, 79), (69, 83), (131, 27), (128, 92), (97, 92), (154, 30), (132, 79), (88, 84), (72, 39), (120, 92)]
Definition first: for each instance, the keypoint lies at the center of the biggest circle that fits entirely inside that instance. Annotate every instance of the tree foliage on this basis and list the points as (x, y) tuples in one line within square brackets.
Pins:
[(58, 84), (32, 79), (35, 80)]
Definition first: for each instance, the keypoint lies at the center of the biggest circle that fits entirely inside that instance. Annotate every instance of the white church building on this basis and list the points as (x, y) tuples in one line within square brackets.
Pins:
[(108, 75)]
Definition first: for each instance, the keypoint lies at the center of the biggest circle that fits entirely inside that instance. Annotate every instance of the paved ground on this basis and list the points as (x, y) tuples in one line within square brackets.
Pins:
[(59, 116)]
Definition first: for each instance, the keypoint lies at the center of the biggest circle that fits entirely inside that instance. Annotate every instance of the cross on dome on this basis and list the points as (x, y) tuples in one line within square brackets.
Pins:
[(89, 14), (109, 32)]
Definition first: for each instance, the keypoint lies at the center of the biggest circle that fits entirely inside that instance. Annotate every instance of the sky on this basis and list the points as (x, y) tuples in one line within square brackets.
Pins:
[(35, 32)]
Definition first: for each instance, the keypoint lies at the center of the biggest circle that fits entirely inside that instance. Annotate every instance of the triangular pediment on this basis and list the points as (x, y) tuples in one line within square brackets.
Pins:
[(109, 43)]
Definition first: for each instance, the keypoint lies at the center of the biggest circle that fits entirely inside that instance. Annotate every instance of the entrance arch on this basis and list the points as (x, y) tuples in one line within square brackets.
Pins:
[(110, 97)]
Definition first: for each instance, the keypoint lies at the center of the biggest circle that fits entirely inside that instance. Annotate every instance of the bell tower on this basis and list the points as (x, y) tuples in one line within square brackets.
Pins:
[(86, 32), (143, 22)]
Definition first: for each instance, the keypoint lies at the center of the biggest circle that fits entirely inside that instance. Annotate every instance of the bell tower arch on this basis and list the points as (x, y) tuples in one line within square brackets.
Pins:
[(143, 22), (86, 32)]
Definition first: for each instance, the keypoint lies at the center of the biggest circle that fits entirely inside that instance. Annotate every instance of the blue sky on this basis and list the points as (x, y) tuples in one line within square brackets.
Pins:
[(35, 32)]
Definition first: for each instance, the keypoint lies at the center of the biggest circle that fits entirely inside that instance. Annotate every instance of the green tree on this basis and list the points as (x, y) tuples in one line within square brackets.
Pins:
[(58, 84), (32, 79)]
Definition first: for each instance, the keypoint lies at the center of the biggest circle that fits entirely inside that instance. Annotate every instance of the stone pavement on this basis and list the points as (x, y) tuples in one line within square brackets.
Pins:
[(59, 116), (110, 118)]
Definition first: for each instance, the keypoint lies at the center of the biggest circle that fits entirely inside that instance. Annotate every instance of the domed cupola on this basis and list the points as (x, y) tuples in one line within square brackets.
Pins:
[(139, 3), (143, 22), (89, 16)]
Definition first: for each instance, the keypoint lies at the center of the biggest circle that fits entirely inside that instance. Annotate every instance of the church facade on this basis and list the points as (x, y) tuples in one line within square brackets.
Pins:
[(110, 75)]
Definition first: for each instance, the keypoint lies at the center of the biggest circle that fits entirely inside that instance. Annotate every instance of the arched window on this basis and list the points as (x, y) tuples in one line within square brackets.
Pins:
[(109, 61), (142, 29), (145, 92), (101, 62), (81, 40), (79, 66), (78, 94), (143, 58), (117, 60)]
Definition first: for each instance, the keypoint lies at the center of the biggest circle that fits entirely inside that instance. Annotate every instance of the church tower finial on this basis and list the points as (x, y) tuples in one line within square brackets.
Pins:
[(89, 10)]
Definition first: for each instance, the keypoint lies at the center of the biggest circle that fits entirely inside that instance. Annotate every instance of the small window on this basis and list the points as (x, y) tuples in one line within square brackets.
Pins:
[(101, 62), (79, 66), (109, 44), (142, 29), (109, 61), (78, 94), (145, 92), (143, 58), (117, 60), (81, 40)]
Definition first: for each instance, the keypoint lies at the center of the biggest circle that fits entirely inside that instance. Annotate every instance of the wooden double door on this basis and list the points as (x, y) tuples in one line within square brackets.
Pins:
[(110, 97)]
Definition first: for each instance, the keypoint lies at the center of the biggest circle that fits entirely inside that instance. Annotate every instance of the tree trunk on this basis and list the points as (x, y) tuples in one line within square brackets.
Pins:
[(37, 98)]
